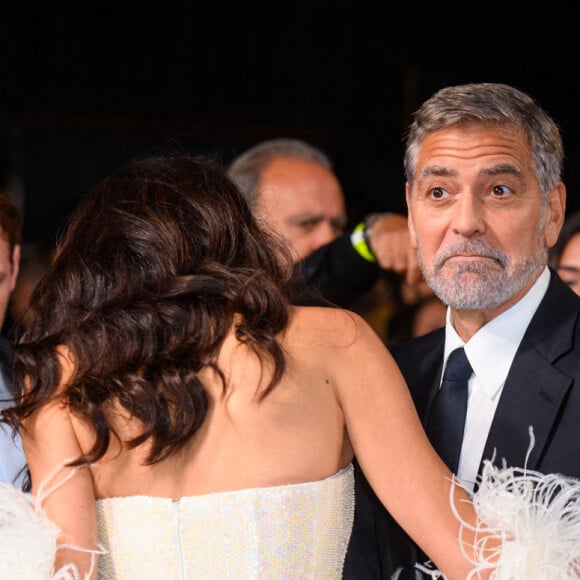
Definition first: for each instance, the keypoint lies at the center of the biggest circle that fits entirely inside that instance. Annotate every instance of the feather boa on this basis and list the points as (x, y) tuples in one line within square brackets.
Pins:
[(23, 526), (28, 539), (537, 519), (535, 516)]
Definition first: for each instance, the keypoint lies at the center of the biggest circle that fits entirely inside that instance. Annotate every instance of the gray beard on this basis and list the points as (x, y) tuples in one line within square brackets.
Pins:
[(481, 285)]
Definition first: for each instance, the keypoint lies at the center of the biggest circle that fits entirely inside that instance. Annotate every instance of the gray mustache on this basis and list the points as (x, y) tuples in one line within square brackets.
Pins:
[(472, 248)]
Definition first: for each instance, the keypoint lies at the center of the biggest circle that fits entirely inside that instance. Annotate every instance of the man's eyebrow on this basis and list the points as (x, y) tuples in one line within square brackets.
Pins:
[(438, 170), (442, 171), (502, 169), (301, 217)]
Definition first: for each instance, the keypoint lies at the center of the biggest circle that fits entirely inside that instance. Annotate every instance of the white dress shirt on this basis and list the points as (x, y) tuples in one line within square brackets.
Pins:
[(490, 351)]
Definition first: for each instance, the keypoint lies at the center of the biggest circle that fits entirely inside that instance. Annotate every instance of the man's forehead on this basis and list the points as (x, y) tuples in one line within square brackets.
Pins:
[(484, 148)]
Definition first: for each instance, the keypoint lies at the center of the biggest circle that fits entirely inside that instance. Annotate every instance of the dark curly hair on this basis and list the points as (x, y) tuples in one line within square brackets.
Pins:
[(146, 281)]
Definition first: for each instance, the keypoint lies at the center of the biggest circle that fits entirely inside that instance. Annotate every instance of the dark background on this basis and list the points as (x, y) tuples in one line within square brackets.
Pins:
[(88, 86)]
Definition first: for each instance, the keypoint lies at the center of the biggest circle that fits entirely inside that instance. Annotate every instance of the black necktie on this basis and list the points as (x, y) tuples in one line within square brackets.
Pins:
[(447, 415)]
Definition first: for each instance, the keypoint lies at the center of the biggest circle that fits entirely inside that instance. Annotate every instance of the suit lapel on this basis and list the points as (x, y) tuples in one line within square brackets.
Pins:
[(535, 387), (532, 397)]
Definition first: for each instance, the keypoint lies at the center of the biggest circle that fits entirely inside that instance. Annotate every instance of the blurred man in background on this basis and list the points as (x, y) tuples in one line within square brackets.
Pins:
[(12, 460), (291, 187)]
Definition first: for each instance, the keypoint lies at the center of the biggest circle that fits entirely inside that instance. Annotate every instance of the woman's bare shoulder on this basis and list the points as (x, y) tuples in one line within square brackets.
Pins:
[(334, 327)]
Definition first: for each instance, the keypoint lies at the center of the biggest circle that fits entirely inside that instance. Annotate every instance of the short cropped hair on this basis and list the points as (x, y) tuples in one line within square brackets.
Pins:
[(490, 104), (246, 169)]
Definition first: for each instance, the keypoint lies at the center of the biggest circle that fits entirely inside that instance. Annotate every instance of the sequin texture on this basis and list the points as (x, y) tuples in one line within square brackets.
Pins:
[(288, 532)]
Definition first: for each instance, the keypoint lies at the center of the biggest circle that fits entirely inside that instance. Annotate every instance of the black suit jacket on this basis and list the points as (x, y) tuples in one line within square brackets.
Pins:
[(542, 390)]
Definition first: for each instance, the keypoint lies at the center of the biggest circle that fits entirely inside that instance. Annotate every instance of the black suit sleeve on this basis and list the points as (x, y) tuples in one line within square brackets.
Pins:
[(334, 273), (378, 549)]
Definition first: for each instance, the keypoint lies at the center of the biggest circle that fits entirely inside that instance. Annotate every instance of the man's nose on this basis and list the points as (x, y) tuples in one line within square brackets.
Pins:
[(468, 214)]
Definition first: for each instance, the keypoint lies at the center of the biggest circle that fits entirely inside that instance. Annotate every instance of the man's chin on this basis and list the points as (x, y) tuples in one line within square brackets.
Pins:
[(466, 290), (452, 277)]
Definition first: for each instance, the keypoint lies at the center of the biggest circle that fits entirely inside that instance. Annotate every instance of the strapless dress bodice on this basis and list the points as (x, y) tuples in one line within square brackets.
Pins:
[(297, 531)]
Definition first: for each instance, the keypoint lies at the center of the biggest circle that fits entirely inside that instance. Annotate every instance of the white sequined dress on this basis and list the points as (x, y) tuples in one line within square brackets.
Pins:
[(298, 531)]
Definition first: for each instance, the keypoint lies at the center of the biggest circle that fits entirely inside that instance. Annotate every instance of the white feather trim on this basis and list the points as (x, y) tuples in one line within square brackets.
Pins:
[(533, 517), (28, 539), (536, 516)]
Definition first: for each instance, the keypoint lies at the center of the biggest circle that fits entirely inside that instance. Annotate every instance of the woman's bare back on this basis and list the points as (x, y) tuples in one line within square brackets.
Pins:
[(295, 434)]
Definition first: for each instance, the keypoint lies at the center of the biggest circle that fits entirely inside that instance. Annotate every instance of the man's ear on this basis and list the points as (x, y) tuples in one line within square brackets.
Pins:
[(410, 216), (555, 214)]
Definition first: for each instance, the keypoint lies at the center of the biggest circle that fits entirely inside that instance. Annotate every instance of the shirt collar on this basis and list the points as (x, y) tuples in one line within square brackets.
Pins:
[(499, 339)]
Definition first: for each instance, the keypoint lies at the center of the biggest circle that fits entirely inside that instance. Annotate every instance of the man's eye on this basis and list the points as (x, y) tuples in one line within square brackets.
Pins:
[(437, 193), (338, 224), (501, 190), (308, 225)]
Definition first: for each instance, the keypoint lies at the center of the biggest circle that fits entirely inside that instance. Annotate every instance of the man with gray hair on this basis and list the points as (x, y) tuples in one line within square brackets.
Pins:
[(486, 201)]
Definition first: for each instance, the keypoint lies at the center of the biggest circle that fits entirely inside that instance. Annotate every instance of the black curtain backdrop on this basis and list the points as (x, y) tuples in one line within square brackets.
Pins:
[(88, 86)]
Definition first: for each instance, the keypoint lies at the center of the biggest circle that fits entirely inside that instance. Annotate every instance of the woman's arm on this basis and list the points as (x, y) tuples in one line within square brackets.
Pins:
[(49, 442), (393, 451)]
